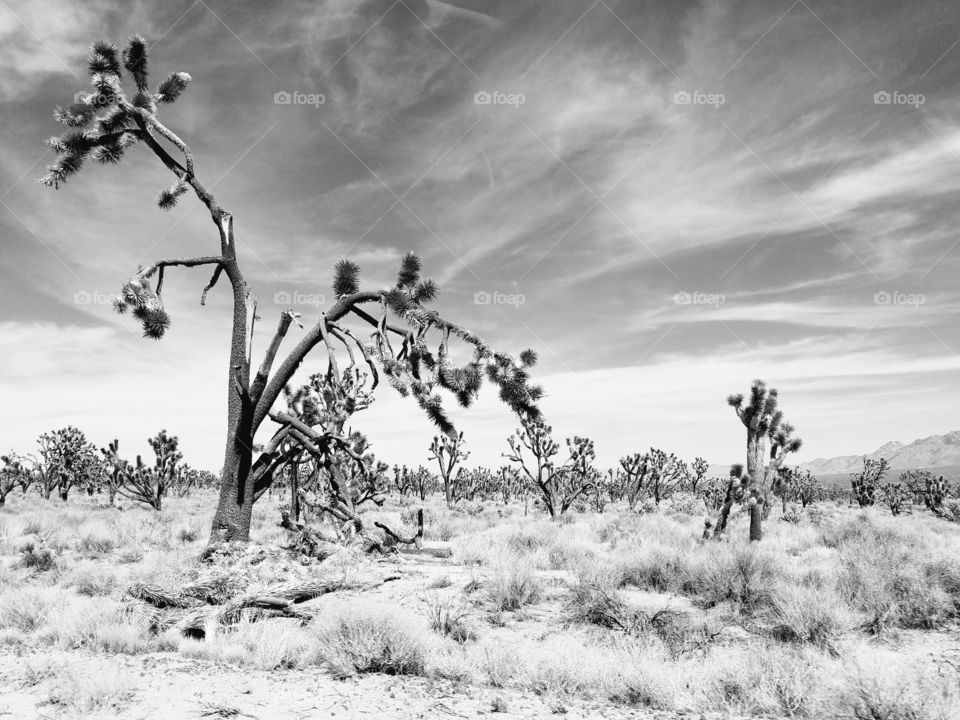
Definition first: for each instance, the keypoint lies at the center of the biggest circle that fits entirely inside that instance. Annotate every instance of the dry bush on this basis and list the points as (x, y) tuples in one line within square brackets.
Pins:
[(891, 577), (513, 583), (365, 639), (89, 578), (82, 689), (26, 608), (803, 615), (447, 617)]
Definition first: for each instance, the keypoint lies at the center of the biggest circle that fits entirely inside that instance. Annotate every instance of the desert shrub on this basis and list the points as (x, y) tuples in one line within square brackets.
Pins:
[(792, 515), (90, 579), (26, 608), (370, 640), (187, 534), (513, 583), (98, 624), (82, 689), (94, 539), (440, 582), (684, 503), (804, 615), (277, 643), (594, 599), (447, 617), (883, 575), (743, 574), (36, 556), (655, 568), (502, 665)]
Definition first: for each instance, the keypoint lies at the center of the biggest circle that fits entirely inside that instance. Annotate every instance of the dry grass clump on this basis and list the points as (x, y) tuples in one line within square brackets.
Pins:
[(447, 617), (892, 577), (80, 689), (513, 583), (816, 616), (91, 579), (368, 639), (26, 609)]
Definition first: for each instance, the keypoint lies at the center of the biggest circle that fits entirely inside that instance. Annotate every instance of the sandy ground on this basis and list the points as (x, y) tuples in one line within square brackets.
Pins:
[(171, 687)]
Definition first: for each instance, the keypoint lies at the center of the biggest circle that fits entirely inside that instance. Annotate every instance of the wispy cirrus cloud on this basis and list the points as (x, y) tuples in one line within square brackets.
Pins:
[(598, 197)]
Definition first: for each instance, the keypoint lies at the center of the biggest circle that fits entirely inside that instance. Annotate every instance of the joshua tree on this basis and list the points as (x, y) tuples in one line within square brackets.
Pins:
[(866, 483), (449, 452), (13, 474), (797, 486), (894, 495), (559, 485), (141, 482), (934, 492), (510, 483), (697, 474), (66, 460), (737, 490), (915, 483), (109, 122), (654, 474), (764, 422)]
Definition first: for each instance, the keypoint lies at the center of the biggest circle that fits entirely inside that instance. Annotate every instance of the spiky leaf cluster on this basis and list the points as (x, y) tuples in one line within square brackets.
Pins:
[(138, 296), (419, 371), (105, 120)]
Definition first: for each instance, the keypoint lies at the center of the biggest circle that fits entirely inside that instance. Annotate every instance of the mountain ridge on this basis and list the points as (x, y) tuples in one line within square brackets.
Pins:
[(931, 451)]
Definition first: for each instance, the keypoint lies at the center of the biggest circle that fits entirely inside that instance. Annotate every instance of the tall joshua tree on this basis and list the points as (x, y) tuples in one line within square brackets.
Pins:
[(764, 422), (103, 127)]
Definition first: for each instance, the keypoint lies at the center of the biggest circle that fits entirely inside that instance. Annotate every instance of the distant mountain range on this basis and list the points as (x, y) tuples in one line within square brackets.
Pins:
[(936, 451)]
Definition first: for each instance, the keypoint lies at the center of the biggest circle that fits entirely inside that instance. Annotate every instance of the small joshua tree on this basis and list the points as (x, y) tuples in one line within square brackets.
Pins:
[(141, 482), (114, 119), (697, 475), (654, 474), (866, 483), (737, 489), (66, 460), (13, 474), (449, 452), (559, 485), (894, 495), (764, 423), (934, 492), (798, 486), (915, 484)]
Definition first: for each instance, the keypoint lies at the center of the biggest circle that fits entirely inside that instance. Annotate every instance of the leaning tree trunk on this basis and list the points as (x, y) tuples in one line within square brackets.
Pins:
[(231, 522)]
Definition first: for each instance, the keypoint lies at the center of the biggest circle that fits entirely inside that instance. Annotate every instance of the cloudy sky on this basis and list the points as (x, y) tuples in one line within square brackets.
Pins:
[(666, 199)]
